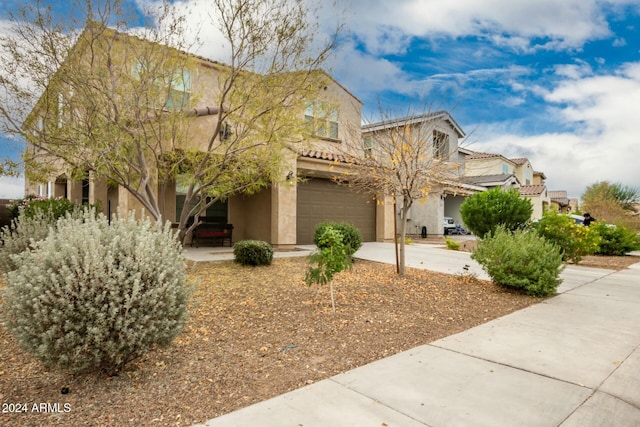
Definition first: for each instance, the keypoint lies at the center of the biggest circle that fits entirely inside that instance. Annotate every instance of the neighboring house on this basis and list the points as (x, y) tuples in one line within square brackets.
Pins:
[(442, 134), (561, 202), (539, 197), (491, 170), (285, 213)]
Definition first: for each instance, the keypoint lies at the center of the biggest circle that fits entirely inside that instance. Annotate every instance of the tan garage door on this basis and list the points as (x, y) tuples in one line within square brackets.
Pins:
[(323, 200)]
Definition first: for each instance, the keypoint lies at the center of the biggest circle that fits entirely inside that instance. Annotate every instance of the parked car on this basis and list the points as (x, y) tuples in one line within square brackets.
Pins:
[(579, 219), (449, 225)]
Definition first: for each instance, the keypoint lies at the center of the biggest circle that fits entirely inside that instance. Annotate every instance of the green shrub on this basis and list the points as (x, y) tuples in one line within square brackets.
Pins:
[(94, 296), (253, 252), (615, 240), (452, 244), (331, 257), (351, 237), (574, 240), (521, 260), (54, 208), (483, 212)]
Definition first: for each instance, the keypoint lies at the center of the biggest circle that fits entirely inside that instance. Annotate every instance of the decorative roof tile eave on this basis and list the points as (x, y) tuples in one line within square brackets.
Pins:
[(410, 120), (520, 160), (560, 197), (481, 156), (560, 194), (323, 155), (532, 190)]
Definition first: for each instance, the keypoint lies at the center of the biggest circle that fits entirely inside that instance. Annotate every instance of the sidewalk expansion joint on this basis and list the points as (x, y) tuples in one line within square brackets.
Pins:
[(391, 408), (511, 366)]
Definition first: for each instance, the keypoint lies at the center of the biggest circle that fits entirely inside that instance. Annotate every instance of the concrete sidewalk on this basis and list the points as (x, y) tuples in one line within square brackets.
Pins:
[(572, 360)]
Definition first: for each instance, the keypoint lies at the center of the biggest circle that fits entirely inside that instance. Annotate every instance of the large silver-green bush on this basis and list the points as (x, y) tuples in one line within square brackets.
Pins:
[(93, 296)]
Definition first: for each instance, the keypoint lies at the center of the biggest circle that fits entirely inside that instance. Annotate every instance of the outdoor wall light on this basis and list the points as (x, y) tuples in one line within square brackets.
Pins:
[(289, 175)]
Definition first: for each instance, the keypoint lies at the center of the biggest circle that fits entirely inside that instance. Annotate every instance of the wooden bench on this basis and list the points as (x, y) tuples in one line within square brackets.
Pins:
[(213, 229)]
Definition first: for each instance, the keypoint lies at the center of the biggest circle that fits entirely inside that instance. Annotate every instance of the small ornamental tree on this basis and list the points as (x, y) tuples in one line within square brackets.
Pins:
[(485, 211), (94, 296), (331, 257)]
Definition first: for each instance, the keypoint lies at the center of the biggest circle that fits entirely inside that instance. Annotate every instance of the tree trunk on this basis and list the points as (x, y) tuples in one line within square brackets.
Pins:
[(333, 301), (403, 233)]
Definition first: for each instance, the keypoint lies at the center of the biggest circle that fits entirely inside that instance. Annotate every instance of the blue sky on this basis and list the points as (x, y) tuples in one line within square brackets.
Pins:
[(556, 81)]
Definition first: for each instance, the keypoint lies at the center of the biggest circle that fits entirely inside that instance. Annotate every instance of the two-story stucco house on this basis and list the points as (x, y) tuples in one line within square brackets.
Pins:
[(440, 133), (494, 170), (286, 212)]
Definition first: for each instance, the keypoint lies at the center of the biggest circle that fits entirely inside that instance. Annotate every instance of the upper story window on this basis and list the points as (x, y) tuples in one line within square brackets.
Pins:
[(179, 91), (322, 118), (440, 145), (172, 91), (505, 168)]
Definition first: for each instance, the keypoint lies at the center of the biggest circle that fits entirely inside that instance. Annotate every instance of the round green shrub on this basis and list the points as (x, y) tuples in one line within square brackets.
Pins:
[(574, 240), (522, 260), (351, 236), (615, 240), (94, 296), (483, 212), (253, 252)]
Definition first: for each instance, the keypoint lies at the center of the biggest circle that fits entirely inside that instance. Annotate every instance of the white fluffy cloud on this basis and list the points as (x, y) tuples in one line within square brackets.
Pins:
[(604, 145), (385, 26)]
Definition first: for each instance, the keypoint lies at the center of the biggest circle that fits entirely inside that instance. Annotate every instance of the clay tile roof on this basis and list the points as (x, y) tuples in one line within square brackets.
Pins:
[(322, 155), (520, 160), (560, 197), (478, 155), (532, 190), (560, 194)]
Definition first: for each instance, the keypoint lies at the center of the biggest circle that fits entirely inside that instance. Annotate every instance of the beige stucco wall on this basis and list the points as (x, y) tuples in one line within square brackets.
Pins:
[(489, 166), (540, 204), (251, 216), (524, 173)]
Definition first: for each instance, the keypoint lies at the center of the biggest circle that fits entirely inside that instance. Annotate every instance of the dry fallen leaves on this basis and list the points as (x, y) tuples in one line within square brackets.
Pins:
[(255, 333)]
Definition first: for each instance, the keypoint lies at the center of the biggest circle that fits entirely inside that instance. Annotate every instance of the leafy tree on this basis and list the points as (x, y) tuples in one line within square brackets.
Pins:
[(406, 158), (483, 212), (116, 105), (613, 203)]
